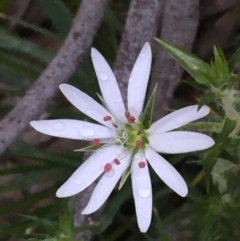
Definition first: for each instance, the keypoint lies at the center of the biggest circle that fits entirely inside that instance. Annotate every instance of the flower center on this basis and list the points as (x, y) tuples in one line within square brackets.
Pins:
[(132, 136)]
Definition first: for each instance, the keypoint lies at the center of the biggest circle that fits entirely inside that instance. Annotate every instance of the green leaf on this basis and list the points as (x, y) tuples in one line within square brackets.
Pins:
[(197, 68), (148, 111), (12, 42), (59, 15), (66, 222), (220, 67), (50, 227), (229, 126), (196, 85), (207, 98), (212, 155), (231, 62)]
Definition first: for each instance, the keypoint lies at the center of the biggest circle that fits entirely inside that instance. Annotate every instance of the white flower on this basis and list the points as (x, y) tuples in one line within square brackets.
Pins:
[(123, 139)]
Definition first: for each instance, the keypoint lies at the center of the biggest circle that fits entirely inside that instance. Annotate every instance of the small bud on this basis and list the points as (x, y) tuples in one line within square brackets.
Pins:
[(107, 167), (142, 164)]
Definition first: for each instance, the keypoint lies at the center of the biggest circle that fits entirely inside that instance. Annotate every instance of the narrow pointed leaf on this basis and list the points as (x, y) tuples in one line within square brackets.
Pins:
[(208, 98), (228, 127), (193, 65), (231, 62)]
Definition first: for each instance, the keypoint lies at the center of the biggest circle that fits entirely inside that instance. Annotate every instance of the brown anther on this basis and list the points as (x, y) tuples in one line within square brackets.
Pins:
[(115, 125), (116, 161), (107, 167), (142, 164), (107, 118), (138, 144), (96, 142)]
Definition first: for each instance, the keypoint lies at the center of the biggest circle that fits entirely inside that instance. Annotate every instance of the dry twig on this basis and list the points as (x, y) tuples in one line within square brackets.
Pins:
[(140, 27), (179, 26), (59, 70)]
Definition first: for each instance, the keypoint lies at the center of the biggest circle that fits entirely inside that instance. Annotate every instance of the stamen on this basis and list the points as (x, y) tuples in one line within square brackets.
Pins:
[(115, 125), (116, 161), (96, 142), (131, 119), (107, 118), (142, 164), (107, 167), (127, 114), (138, 144)]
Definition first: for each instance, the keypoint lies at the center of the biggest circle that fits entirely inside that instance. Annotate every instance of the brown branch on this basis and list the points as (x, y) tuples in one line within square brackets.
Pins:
[(59, 70), (179, 26), (140, 27)]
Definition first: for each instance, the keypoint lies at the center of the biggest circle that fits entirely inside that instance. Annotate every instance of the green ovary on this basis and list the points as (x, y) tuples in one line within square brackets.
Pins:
[(133, 136)]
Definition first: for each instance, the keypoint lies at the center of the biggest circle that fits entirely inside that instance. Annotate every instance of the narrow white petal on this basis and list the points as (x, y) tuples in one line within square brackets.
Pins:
[(138, 81), (167, 172), (106, 185), (142, 192), (89, 171), (178, 118), (180, 142), (108, 85), (72, 129), (86, 104)]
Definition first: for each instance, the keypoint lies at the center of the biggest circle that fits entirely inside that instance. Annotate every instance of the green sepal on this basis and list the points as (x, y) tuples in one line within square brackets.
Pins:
[(197, 68), (196, 85), (146, 116), (209, 97), (124, 177), (89, 148)]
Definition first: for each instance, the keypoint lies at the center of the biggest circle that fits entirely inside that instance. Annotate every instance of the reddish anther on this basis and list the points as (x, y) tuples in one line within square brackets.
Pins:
[(96, 142), (138, 144), (142, 164), (131, 119), (107, 167), (107, 118), (116, 161)]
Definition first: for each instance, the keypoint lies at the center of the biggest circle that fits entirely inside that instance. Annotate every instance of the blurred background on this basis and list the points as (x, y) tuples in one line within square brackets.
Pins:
[(35, 165)]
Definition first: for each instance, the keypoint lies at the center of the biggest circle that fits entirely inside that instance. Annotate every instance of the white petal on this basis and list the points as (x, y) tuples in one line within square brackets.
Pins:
[(89, 171), (178, 118), (167, 172), (106, 185), (86, 104), (72, 129), (180, 142), (108, 85), (142, 192), (138, 81)]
